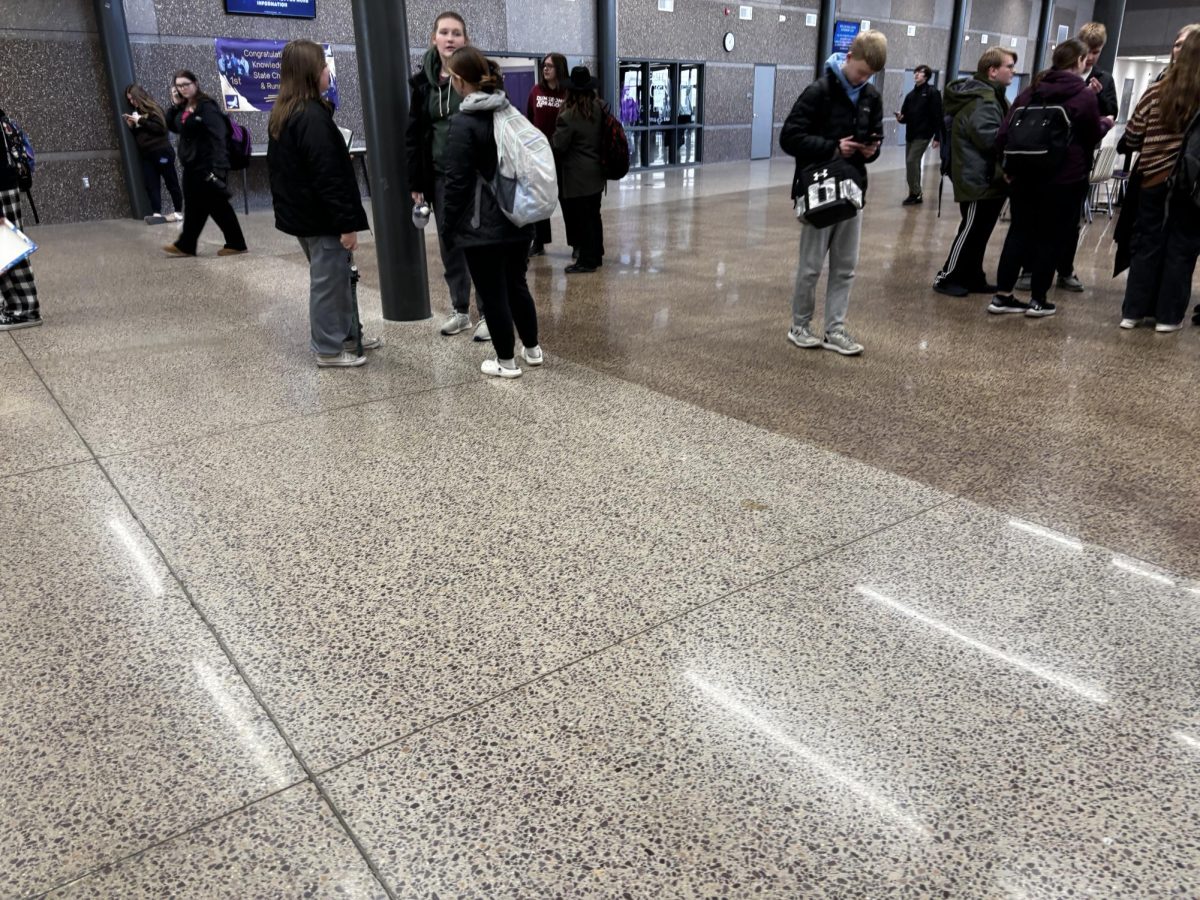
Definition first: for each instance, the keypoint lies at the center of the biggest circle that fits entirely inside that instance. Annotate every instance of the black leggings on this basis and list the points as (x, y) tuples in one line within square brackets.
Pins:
[(498, 271), (205, 199), (1044, 218), (156, 168)]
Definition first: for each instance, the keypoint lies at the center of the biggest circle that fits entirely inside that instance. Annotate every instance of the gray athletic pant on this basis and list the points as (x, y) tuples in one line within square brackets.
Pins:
[(914, 152), (454, 263), (840, 243), (330, 301)]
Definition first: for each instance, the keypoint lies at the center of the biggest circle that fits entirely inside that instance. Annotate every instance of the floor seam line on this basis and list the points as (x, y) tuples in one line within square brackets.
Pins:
[(224, 648), (630, 637), (27, 472)]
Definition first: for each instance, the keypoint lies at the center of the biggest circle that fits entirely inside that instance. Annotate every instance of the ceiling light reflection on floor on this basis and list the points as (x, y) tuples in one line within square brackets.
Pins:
[(1136, 568), (1048, 533), (1186, 739), (145, 567), (1069, 682), (816, 760)]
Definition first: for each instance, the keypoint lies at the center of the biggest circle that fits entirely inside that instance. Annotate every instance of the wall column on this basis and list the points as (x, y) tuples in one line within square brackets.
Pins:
[(1111, 13), (826, 16), (606, 51), (1040, 50), (381, 38), (958, 30), (118, 70)]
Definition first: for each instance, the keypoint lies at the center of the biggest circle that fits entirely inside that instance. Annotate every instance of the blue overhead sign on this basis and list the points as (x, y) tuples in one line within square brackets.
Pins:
[(295, 9), (844, 34)]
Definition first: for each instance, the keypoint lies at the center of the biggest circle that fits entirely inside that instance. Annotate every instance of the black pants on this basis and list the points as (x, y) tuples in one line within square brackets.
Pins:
[(158, 167), (964, 265), (587, 228), (498, 271), (1043, 218), (203, 199), (1163, 258), (541, 232)]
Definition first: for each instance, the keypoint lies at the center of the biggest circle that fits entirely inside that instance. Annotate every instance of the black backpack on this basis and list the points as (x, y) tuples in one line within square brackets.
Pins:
[(1038, 135), (945, 147), (1184, 183)]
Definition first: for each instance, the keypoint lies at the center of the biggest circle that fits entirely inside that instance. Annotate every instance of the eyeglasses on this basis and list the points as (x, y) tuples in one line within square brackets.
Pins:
[(183, 84)]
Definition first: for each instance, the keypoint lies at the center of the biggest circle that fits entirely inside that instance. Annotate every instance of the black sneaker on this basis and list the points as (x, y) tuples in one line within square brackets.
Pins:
[(983, 288), (11, 322), (578, 268), (537, 250), (950, 289), (1040, 309), (1006, 303), (912, 200)]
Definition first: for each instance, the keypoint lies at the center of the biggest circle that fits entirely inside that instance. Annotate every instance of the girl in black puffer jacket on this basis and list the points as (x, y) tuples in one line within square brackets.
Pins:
[(496, 250), (148, 123)]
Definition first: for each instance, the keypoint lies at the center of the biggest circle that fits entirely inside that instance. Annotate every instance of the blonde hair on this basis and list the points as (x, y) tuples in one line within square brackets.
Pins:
[(871, 47), (1094, 34), (994, 58)]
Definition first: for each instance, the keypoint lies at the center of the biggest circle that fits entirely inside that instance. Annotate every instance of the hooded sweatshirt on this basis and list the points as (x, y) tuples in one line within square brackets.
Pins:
[(978, 108), (1059, 87), (443, 102), (834, 64)]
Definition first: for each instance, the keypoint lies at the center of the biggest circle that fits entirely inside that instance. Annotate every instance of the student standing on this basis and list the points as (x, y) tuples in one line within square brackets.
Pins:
[(1045, 207), (148, 123), (839, 114), (1166, 233), (20, 308), (978, 106), (921, 116), (545, 102), (432, 105), (204, 153), (496, 250), (316, 200), (577, 141)]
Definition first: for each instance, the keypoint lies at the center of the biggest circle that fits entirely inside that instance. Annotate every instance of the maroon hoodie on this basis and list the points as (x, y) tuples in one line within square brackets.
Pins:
[(1059, 87), (543, 108)]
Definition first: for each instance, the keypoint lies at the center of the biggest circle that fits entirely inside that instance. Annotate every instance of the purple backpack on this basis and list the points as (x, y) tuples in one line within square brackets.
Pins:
[(239, 143)]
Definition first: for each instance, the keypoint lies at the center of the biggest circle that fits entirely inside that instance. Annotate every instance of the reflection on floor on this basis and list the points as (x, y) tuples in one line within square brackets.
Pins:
[(688, 612)]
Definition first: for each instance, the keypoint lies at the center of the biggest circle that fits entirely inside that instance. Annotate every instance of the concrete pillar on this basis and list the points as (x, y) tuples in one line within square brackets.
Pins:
[(958, 30), (1041, 48), (826, 16), (606, 52), (1111, 13), (118, 72)]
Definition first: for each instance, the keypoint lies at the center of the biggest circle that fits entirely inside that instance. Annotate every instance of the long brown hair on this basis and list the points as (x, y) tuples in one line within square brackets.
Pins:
[(1179, 96), (300, 68), (144, 103), (1066, 55), (582, 102), (560, 71), (474, 68)]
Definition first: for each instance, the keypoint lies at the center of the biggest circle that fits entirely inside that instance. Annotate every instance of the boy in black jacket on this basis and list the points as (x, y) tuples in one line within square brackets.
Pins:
[(839, 114)]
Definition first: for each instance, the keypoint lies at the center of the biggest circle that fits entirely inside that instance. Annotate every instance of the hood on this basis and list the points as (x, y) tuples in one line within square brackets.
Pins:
[(481, 102), (834, 65), (964, 91), (432, 66), (1059, 85)]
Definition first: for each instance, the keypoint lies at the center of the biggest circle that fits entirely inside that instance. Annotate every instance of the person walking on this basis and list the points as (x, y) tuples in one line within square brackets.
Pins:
[(204, 153), (978, 107), (921, 116), (1045, 206), (1166, 232), (496, 250), (432, 105), (577, 141), (838, 115), (546, 99), (18, 290), (148, 123), (317, 201)]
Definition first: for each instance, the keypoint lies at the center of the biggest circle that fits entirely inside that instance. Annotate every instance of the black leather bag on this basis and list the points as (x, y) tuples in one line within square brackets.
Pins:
[(829, 193)]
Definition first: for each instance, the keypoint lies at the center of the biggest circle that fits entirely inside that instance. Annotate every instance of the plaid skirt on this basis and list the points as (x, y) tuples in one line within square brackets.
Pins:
[(16, 285)]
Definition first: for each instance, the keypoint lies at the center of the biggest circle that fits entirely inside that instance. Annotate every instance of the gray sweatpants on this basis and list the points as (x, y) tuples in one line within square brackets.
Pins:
[(914, 154), (330, 301), (454, 263), (840, 243)]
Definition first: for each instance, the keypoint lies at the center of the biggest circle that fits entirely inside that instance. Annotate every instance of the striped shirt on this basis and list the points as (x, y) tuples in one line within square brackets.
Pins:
[(1146, 132)]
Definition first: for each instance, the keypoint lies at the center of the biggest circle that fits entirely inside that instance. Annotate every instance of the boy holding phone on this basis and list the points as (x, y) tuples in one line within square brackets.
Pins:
[(839, 114)]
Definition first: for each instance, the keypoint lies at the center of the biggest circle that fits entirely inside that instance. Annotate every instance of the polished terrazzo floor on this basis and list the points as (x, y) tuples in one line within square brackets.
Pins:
[(688, 612)]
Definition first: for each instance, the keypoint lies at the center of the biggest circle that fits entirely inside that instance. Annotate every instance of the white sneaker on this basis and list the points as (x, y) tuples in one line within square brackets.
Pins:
[(533, 356), (482, 332), (175, 217), (1130, 323), (839, 341), (456, 323), (1163, 328), (802, 336), (345, 359), (493, 368), (368, 343)]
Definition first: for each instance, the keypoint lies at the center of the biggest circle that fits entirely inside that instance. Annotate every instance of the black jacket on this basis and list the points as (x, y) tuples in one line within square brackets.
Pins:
[(472, 216), (202, 138), (1108, 93), (151, 135), (9, 177), (824, 114), (922, 113), (312, 178)]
